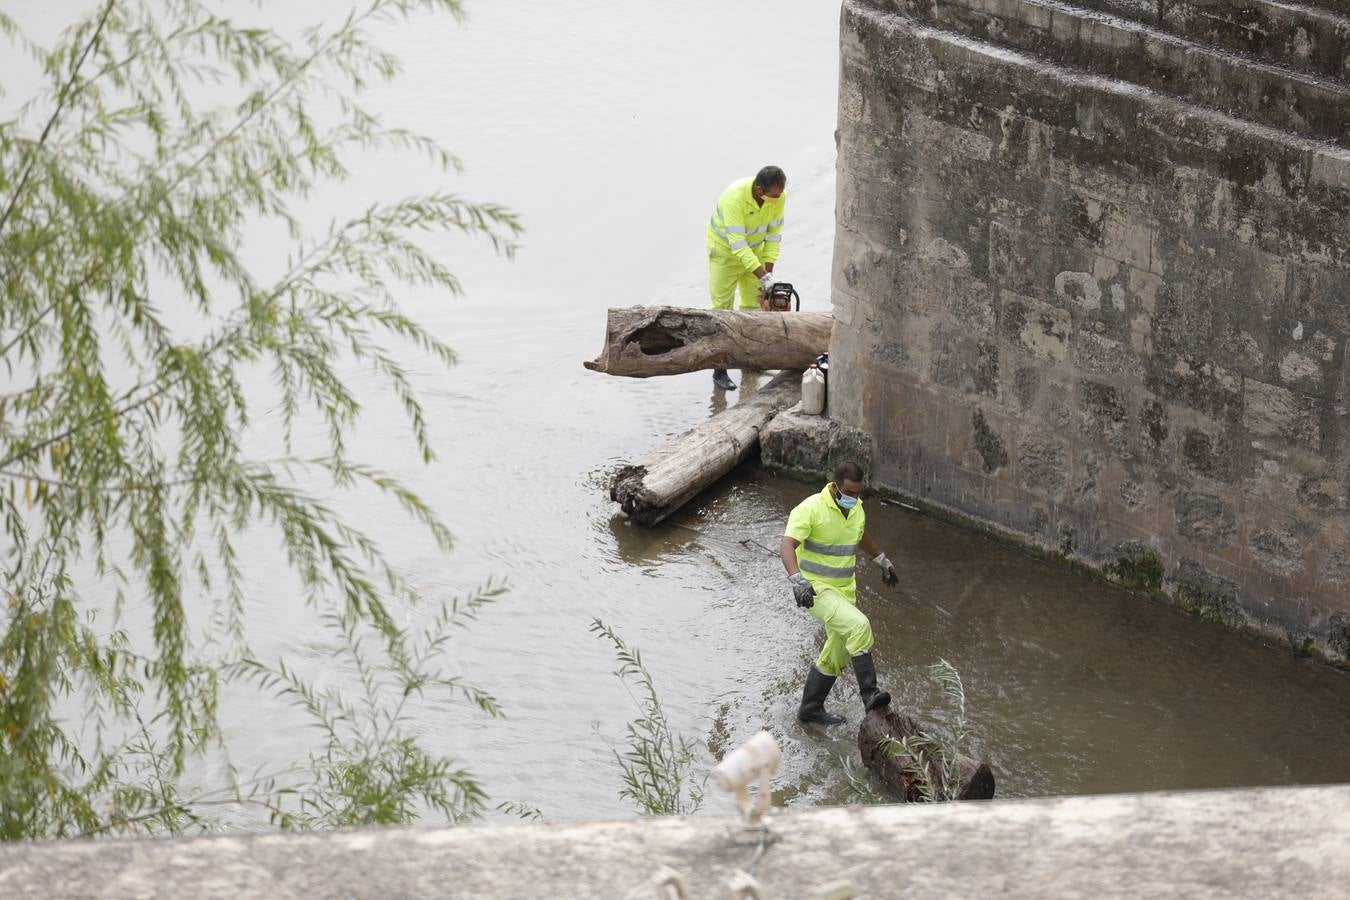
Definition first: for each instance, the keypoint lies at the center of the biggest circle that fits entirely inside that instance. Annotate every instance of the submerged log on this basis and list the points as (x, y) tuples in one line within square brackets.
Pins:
[(671, 475), (641, 341), (898, 772)]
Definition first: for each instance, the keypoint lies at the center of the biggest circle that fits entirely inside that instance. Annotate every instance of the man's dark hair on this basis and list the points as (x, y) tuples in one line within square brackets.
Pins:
[(770, 177), (848, 471)]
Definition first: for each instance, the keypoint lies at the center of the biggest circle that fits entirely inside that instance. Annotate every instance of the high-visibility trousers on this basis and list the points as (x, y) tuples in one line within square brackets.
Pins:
[(847, 631), (725, 275)]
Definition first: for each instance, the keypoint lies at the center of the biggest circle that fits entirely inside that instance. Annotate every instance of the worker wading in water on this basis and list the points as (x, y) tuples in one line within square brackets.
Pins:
[(819, 551), (745, 234)]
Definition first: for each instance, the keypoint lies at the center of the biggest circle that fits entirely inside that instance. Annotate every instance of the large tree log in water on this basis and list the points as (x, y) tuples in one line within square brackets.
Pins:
[(898, 773), (641, 341), (670, 476)]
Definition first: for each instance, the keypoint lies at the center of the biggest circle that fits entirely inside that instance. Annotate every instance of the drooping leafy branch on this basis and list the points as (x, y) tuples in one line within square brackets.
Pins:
[(139, 337)]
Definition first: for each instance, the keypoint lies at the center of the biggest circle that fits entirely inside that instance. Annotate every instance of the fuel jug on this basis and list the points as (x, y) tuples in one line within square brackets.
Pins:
[(813, 391)]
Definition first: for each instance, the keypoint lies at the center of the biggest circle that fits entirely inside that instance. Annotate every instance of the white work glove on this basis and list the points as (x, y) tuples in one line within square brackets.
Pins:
[(887, 571), (766, 281)]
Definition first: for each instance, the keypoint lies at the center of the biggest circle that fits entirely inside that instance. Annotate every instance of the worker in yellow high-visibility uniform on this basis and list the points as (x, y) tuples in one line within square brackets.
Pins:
[(819, 551), (745, 234)]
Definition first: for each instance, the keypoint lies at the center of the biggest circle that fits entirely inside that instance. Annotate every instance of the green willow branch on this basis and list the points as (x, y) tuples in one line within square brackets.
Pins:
[(61, 100), (36, 320), (129, 445), (216, 797)]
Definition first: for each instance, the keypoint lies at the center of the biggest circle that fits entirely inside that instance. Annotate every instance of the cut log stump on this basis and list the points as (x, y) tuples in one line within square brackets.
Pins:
[(641, 341), (897, 772), (671, 475)]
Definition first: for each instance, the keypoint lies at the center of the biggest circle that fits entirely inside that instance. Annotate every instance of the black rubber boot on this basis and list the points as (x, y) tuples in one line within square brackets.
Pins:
[(817, 688), (872, 698), (723, 380)]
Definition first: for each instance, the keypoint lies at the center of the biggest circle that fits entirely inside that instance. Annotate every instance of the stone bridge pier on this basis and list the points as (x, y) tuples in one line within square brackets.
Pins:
[(1092, 286)]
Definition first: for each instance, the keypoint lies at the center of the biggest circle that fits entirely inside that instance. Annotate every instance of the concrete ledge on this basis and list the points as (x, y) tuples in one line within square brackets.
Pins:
[(804, 445), (1262, 842)]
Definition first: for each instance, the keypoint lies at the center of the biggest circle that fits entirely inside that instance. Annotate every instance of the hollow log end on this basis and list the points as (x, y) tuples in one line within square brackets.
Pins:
[(626, 483), (629, 490), (979, 784)]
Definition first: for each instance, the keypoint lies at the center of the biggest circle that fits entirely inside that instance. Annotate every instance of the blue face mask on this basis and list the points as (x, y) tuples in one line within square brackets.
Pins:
[(845, 501)]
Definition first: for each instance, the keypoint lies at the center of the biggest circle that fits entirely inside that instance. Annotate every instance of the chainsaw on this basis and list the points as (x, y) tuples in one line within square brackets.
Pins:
[(779, 297)]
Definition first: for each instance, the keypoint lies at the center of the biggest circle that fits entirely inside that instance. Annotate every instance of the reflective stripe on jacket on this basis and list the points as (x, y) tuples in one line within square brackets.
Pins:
[(740, 227), (827, 541)]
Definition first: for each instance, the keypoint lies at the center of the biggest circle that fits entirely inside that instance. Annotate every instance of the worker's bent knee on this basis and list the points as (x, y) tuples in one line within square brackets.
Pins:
[(859, 639), (852, 628), (834, 659)]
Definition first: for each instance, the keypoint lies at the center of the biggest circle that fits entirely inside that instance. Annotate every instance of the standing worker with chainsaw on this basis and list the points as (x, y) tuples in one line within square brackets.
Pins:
[(819, 551), (745, 234)]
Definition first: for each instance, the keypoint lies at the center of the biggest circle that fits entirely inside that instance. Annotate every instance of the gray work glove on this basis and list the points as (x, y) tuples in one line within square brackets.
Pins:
[(766, 281), (802, 592), (888, 571)]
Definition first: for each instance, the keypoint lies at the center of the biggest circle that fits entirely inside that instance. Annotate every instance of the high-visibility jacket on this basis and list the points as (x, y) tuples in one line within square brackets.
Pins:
[(827, 541), (741, 228)]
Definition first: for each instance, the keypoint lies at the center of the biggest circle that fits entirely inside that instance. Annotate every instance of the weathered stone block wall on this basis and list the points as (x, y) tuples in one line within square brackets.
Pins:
[(1313, 35), (1086, 307)]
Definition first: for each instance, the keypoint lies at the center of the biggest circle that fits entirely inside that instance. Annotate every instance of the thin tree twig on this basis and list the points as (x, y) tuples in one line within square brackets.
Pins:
[(61, 98)]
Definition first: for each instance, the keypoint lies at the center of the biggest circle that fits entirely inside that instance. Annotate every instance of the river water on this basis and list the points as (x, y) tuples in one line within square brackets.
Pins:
[(611, 127)]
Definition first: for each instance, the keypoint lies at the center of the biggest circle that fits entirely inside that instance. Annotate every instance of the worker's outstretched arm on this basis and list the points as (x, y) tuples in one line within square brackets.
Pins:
[(802, 592), (787, 551), (870, 547)]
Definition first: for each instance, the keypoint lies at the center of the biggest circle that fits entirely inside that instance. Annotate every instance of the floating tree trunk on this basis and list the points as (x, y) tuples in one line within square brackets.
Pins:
[(670, 476), (641, 341), (899, 772)]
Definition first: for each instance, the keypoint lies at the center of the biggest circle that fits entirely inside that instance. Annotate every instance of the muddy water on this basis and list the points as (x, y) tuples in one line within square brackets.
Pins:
[(611, 127), (622, 122), (1072, 686)]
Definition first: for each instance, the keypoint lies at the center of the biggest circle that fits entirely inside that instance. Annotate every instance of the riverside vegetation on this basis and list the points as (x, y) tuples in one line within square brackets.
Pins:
[(125, 484), (658, 766)]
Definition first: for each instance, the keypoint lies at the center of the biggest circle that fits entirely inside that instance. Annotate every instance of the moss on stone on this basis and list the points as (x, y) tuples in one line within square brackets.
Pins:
[(1302, 647), (1142, 571), (794, 473), (1338, 636), (1211, 606), (988, 443)]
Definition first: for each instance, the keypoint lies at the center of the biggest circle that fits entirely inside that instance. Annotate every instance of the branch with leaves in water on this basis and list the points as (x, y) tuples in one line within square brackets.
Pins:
[(657, 765)]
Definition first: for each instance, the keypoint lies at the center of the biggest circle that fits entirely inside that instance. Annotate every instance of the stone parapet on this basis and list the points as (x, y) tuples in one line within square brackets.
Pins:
[(1258, 843), (1098, 313)]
